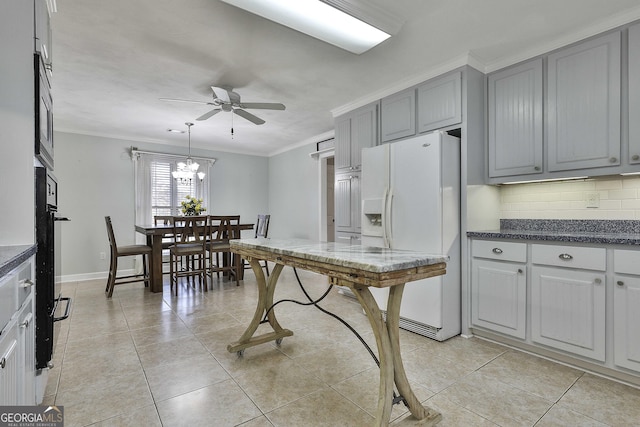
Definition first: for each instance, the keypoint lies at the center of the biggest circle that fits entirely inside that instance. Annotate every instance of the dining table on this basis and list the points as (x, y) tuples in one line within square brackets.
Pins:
[(359, 268), (155, 234)]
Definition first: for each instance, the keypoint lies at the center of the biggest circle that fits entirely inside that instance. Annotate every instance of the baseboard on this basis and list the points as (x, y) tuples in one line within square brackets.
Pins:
[(101, 275)]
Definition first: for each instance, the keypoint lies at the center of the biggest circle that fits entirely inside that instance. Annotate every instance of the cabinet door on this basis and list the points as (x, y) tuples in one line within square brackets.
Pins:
[(26, 346), (398, 115), (342, 156), (498, 296), (515, 120), (583, 105), (364, 132), (634, 94), (626, 318), (440, 102), (9, 366), (43, 30), (347, 202), (568, 310)]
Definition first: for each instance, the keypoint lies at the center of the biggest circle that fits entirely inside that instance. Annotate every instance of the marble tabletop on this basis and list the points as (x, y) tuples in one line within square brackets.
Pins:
[(12, 256), (367, 258)]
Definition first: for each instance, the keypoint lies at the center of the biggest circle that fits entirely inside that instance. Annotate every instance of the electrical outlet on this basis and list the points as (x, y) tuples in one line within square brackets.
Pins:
[(103, 255), (592, 200)]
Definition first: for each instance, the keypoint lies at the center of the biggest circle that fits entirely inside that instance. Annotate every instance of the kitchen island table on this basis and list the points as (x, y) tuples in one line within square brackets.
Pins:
[(155, 234), (358, 268)]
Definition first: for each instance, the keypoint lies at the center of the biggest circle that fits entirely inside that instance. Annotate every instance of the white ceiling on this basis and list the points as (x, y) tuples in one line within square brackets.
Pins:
[(113, 60)]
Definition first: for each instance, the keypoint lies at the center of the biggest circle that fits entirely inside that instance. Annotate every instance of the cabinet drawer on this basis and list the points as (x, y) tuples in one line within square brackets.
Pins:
[(499, 250), (626, 262), (569, 256), (25, 283)]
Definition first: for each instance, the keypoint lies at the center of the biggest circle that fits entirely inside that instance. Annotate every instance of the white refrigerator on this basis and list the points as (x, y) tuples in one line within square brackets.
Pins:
[(410, 193)]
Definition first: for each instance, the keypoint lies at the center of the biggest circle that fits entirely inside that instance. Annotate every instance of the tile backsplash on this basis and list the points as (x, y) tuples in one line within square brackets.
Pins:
[(615, 197)]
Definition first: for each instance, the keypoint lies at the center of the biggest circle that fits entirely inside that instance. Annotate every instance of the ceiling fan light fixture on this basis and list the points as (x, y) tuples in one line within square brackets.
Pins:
[(352, 25)]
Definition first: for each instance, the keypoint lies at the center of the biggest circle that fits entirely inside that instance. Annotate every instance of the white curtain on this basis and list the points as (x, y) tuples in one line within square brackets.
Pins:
[(144, 191)]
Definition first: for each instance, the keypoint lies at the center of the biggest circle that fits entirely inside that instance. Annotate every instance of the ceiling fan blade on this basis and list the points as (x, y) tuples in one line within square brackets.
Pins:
[(185, 100), (248, 116), (208, 114), (263, 105), (220, 93)]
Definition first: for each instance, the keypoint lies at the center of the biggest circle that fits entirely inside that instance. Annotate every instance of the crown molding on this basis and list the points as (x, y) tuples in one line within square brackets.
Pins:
[(460, 61), (611, 23)]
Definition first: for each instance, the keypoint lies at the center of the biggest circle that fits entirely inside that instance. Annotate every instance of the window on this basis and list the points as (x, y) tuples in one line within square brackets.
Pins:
[(157, 192)]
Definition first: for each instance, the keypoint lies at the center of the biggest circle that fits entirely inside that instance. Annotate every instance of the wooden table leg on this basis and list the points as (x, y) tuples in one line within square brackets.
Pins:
[(387, 336), (266, 291), (385, 354), (428, 416), (156, 262)]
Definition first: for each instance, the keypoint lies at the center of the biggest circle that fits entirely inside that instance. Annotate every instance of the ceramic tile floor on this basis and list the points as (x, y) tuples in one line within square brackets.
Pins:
[(143, 359)]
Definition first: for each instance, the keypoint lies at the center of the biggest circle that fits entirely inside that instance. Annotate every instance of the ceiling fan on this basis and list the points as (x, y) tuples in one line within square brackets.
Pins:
[(225, 99)]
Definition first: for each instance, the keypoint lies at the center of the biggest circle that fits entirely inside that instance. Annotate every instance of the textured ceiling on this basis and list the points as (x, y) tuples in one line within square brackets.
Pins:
[(113, 60)]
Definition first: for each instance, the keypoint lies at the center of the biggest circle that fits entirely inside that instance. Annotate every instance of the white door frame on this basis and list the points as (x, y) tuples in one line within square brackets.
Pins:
[(322, 203)]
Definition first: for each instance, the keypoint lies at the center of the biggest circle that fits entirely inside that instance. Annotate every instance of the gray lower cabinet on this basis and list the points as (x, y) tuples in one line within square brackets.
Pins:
[(9, 365), (499, 286), (583, 105), (626, 309), (568, 299), (398, 115), (515, 120), (634, 94), (347, 202), (440, 102), (498, 296)]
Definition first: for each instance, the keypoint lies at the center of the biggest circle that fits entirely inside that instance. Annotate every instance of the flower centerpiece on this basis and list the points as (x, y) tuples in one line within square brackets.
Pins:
[(192, 206)]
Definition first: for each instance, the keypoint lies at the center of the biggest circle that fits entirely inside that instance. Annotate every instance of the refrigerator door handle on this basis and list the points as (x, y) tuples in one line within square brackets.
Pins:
[(388, 201)]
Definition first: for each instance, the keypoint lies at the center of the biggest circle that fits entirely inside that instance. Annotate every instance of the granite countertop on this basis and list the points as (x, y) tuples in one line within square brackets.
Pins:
[(367, 258), (13, 256), (614, 232)]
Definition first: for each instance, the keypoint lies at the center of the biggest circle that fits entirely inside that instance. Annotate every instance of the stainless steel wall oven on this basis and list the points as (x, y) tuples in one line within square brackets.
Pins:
[(44, 114)]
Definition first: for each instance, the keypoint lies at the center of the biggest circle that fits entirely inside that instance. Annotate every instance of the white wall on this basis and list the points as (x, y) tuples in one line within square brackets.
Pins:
[(619, 199), (294, 190), (95, 177)]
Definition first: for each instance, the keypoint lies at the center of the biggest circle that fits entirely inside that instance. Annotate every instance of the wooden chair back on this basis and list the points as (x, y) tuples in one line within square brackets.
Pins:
[(191, 230), (112, 237), (224, 227)]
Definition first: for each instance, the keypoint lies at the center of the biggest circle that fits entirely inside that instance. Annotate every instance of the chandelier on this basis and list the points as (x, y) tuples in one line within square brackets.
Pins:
[(186, 171)]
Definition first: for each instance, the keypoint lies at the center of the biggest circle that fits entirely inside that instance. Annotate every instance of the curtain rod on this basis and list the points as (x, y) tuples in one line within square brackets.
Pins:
[(134, 151)]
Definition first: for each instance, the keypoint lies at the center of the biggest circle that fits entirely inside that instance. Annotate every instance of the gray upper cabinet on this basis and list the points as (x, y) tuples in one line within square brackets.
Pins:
[(42, 31), (515, 120), (634, 94), (583, 105), (440, 102), (353, 132), (398, 115)]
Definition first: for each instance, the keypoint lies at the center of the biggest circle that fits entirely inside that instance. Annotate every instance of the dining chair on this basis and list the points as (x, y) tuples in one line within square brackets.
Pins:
[(223, 229), (262, 229), (123, 251), (189, 240)]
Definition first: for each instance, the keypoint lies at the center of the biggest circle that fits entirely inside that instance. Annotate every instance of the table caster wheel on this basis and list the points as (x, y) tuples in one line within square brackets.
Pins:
[(240, 353), (278, 342)]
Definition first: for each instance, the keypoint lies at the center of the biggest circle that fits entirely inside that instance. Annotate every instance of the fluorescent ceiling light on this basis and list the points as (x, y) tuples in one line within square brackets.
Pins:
[(339, 22)]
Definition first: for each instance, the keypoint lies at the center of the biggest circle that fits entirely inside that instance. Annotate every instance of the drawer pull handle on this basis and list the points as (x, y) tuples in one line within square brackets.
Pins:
[(620, 283), (496, 251), (536, 168), (613, 160), (598, 281), (635, 157), (3, 363), (519, 271), (26, 283), (25, 324), (565, 257)]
